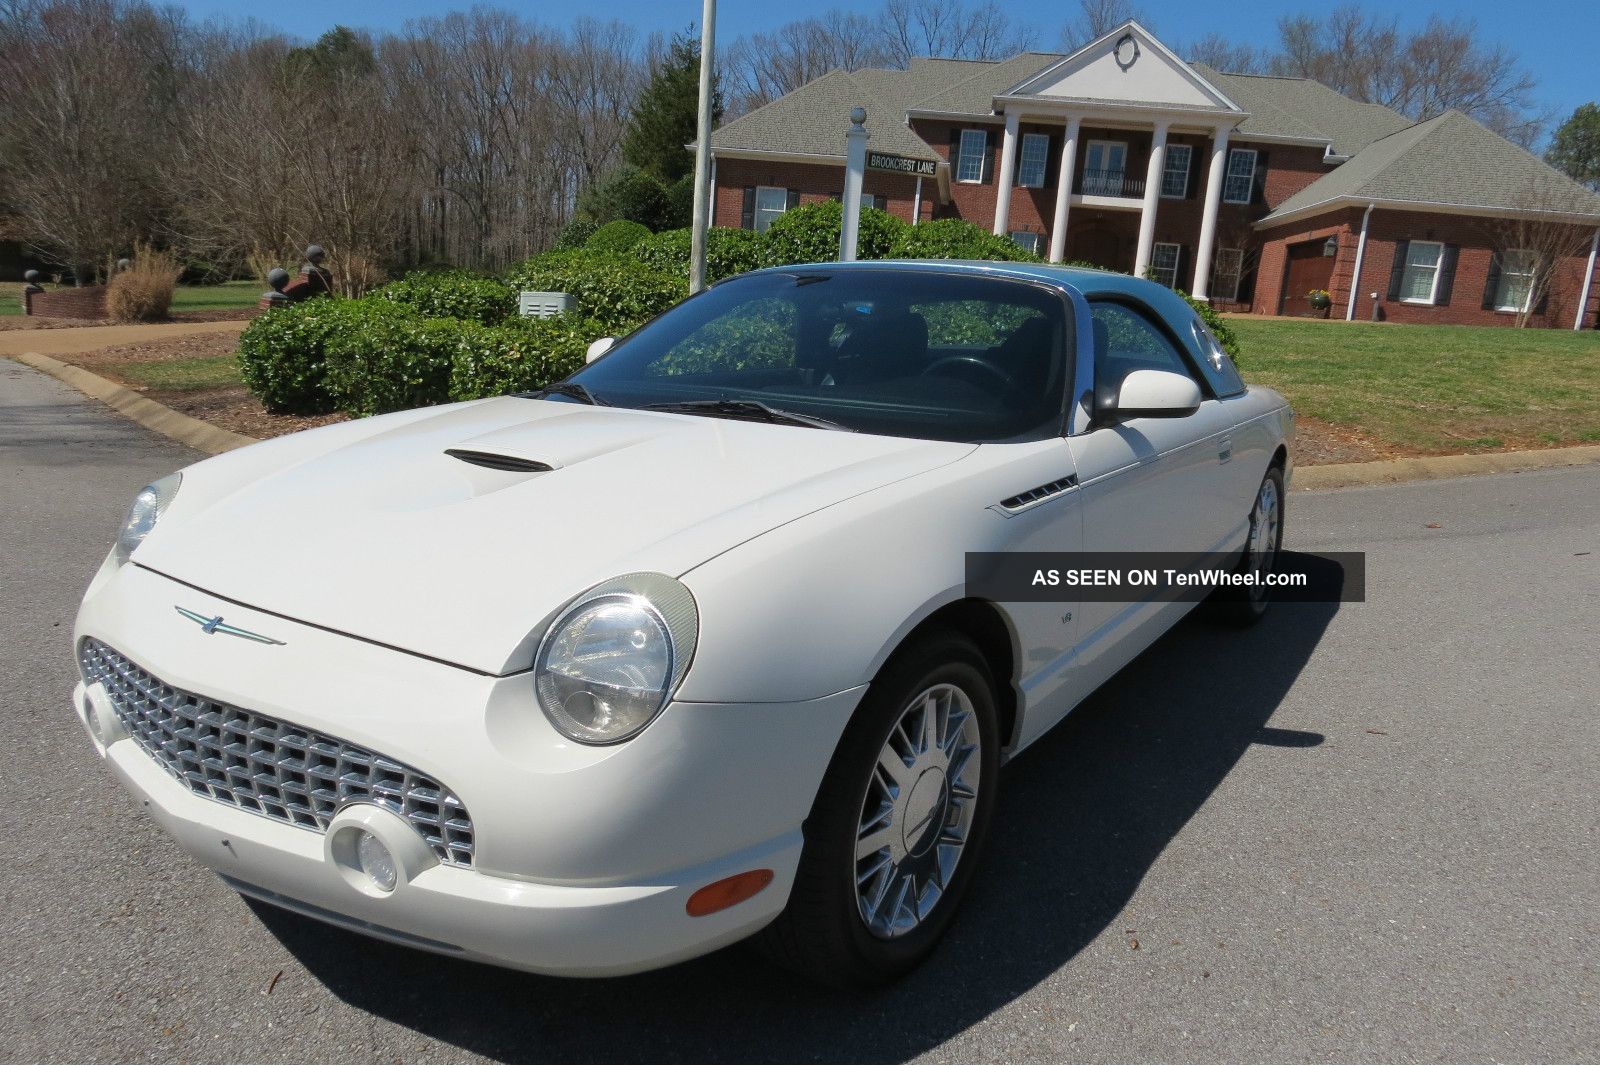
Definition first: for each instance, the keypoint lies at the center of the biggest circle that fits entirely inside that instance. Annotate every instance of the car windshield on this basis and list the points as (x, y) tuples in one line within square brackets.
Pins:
[(923, 354)]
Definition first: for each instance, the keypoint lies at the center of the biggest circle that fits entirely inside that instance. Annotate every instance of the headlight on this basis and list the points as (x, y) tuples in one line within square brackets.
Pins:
[(148, 506), (612, 659)]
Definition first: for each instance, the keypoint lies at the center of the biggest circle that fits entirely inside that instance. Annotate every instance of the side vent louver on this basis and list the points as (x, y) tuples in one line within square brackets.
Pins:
[(492, 460), (1024, 500)]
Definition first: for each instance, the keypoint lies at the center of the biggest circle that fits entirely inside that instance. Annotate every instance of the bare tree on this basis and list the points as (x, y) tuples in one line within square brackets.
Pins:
[(1533, 245), (1443, 66), (761, 67), (949, 29), (1230, 57), (1095, 19)]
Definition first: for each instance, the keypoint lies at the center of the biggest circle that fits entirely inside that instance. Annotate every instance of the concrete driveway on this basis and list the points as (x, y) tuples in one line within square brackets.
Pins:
[(1362, 833)]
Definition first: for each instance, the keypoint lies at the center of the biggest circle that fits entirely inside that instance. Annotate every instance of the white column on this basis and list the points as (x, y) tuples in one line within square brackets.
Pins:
[(1069, 160), (1008, 168), (1588, 281), (855, 167), (1206, 249), (916, 203), (1152, 196)]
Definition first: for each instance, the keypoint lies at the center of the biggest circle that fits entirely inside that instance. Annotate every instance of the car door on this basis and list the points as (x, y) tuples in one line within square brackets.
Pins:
[(1148, 484)]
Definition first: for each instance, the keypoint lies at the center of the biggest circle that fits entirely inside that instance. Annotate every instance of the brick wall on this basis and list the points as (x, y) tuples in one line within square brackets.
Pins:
[(88, 302), (815, 183), (1475, 240)]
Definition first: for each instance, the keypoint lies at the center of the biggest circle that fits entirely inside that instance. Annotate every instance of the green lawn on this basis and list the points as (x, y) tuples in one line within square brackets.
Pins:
[(180, 375), (230, 295), (1432, 388)]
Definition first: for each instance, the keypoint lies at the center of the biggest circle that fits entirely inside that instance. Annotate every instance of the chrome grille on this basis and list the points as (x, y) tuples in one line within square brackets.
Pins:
[(268, 767)]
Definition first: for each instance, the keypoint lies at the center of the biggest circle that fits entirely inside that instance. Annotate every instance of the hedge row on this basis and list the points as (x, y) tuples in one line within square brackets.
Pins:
[(374, 355)]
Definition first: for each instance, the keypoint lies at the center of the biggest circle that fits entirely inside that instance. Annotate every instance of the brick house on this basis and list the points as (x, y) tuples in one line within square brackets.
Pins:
[(1248, 190)]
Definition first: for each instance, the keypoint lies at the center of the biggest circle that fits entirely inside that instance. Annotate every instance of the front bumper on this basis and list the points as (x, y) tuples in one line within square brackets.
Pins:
[(585, 857)]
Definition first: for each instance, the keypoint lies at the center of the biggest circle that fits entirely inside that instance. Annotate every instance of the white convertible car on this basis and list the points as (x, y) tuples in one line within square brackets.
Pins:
[(678, 650)]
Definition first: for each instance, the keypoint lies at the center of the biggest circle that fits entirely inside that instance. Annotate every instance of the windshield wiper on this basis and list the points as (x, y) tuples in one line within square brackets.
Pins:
[(572, 389), (747, 410)]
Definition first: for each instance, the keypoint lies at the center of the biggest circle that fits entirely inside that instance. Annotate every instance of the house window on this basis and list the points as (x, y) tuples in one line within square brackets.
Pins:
[(1225, 275), (1420, 281), (1164, 264), (969, 164), (1517, 269), (1175, 175), (1104, 166), (770, 203), (1029, 241), (1035, 160), (1241, 179)]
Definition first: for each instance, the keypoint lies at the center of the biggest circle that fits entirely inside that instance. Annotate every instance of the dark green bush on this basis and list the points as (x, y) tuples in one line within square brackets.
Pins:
[(617, 237), (520, 355), (282, 355), (393, 360), (810, 234), (615, 291), (632, 194), (728, 252), (453, 294), (953, 238), (575, 233)]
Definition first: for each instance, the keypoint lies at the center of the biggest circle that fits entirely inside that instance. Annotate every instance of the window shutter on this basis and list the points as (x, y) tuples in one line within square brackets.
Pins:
[(988, 159), (1259, 193), (793, 200), (1181, 272), (1543, 276), (1052, 161), (1491, 284), (955, 150), (747, 213), (1398, 270), (1447, 274)]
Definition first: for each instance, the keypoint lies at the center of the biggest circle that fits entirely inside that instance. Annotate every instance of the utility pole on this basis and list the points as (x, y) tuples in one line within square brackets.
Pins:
[(702, 148)]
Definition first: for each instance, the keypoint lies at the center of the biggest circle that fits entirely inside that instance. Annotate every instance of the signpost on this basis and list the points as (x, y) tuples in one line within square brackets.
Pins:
[(900, 164), (855, 163)]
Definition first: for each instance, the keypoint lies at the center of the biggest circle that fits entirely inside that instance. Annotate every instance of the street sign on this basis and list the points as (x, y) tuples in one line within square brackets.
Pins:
[(900, 164)]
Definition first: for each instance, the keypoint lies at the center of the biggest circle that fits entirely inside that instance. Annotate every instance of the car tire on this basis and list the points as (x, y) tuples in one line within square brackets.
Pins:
[(1245, 606), (944, 789)]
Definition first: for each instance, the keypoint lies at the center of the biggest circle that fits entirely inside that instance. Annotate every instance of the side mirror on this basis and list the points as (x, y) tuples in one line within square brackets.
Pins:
[(1152, 394), (599, 348)]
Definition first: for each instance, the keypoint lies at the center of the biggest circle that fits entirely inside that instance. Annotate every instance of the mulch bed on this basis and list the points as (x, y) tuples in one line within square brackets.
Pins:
[(221, 314)]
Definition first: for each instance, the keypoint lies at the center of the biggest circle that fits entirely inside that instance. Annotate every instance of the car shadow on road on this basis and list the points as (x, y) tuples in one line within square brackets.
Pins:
[(1084, 813)]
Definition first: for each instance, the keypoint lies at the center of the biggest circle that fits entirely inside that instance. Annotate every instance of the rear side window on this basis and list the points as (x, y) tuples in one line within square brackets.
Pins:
[(1216, 363), (1125, 341)]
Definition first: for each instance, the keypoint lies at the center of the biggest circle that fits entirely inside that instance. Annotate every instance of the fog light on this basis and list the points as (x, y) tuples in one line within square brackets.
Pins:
[(376, 862)]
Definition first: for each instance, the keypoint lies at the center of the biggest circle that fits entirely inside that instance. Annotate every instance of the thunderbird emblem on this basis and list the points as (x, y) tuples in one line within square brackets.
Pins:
[(213, 625)]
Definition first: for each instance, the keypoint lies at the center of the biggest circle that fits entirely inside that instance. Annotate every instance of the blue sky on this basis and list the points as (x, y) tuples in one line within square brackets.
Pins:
[(1557, 39)]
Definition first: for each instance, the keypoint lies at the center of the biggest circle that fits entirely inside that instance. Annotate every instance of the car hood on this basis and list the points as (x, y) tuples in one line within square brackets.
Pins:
[(376, 530)]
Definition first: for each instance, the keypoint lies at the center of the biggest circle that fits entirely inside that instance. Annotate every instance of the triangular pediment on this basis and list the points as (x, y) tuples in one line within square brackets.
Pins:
[(1127, 65)]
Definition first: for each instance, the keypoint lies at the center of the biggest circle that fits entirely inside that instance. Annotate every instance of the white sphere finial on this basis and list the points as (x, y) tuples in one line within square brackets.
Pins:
[(858, 115)]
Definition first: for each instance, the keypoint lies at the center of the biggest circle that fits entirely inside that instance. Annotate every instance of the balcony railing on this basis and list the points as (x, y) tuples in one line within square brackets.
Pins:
[(1109, 183)]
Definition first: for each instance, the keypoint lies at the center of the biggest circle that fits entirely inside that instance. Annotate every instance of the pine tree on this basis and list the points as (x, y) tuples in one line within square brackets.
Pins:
[(664, 119)]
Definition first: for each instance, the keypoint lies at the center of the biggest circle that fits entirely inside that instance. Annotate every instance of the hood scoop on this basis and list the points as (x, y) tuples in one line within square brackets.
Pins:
[(494, 461)]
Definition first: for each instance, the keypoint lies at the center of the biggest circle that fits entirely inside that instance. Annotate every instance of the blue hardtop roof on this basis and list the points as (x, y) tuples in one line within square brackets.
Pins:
[(1083, 280)]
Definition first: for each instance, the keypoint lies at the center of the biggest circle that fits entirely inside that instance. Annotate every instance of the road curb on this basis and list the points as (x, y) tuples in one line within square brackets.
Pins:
[(154, 416), (1437, 467)]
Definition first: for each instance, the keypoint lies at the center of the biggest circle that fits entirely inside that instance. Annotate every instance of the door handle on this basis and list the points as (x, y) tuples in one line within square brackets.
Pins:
[(1225, 449)]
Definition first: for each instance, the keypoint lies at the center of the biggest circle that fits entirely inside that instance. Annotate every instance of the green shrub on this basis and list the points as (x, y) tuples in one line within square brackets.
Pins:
[(282, 355), (575, 233), (453, 294), (393, 360), (615, 291), (728, 252), (810, 234), (1208, 314), (519, 356), (953, 238), (633, 194), (617, 237)]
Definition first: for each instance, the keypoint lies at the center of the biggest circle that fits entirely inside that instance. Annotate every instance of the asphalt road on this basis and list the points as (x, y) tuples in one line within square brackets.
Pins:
[(1362, 833)]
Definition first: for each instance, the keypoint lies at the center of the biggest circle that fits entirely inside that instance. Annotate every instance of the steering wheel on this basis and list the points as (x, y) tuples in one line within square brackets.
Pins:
[(950, 362)]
